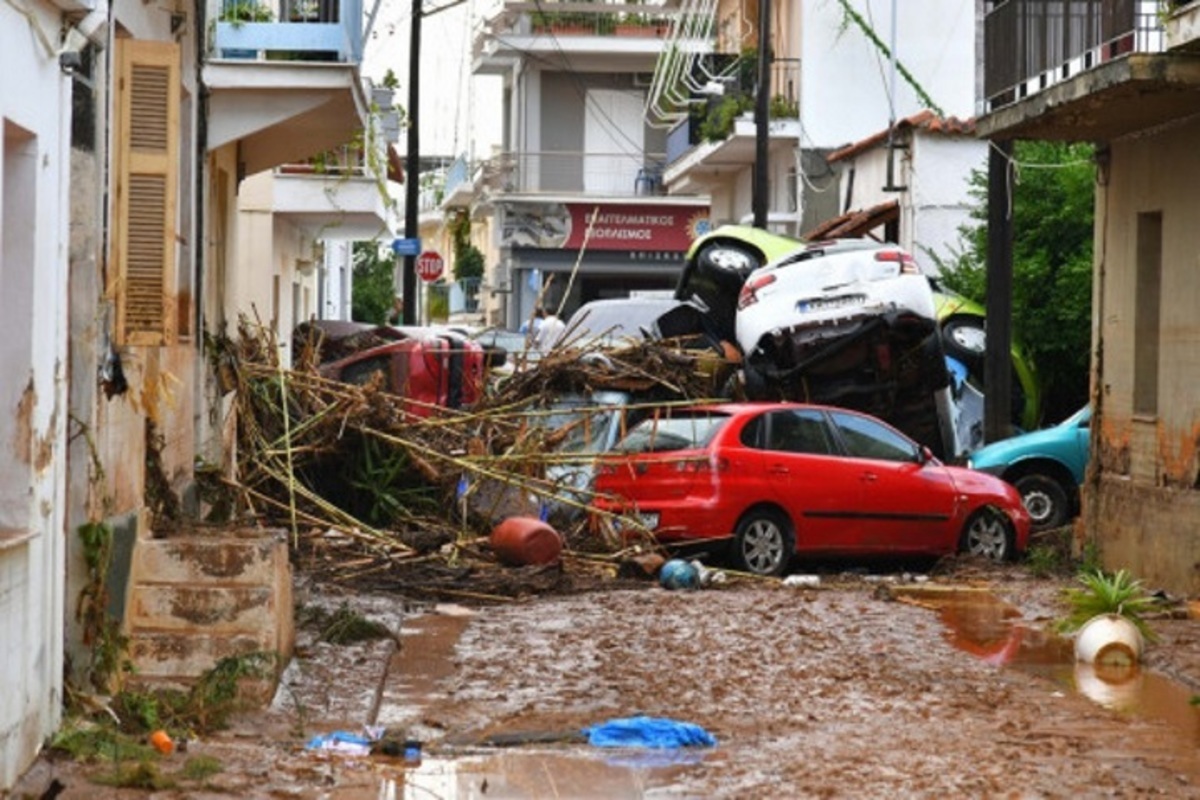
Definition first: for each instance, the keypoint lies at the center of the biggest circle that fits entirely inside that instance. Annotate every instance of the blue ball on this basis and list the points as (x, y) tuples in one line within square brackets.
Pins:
[(678, 574)]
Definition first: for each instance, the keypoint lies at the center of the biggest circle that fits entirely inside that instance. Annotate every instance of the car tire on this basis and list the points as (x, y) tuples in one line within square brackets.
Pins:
[(1045, 499), (989, 534), (964, 339), (729, 259), (763, 544)]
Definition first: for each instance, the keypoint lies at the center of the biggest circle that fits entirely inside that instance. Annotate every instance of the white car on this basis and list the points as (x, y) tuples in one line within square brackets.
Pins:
[(849, 322)]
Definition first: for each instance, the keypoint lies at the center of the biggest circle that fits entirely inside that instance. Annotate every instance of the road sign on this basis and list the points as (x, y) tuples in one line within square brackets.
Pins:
[(430, 265), (406, 247)]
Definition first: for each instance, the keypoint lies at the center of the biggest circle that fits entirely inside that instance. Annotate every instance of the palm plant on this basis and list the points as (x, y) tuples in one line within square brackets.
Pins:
[(1119, 593)]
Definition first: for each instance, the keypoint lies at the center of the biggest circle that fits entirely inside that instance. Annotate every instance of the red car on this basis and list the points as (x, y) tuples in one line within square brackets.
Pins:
[(781, 479), (430, 368)]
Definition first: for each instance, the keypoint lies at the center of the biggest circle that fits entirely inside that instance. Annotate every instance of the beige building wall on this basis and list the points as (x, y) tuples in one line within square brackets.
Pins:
[(1143, 503)]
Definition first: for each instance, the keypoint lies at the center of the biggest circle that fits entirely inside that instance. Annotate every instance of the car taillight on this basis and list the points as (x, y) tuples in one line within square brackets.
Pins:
[(908, 264), (705, 464), (747, 296)]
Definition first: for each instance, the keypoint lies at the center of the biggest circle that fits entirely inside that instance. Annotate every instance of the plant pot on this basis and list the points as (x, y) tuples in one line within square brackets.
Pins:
[(1110, 640)]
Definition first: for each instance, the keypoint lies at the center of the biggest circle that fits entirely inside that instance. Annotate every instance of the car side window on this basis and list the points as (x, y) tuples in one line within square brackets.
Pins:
[(865, 438), (798, 432), (361, 372), (754, 432)]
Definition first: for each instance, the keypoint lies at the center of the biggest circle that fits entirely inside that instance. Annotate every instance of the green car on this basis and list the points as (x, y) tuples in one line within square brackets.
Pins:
[(718, 263)]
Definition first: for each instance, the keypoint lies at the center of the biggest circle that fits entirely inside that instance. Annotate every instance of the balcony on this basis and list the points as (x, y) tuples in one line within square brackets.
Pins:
[(718, 136), (1182, 25), (337, 195), (1084, 70), (569, 175), (284, 78), (613, 36)]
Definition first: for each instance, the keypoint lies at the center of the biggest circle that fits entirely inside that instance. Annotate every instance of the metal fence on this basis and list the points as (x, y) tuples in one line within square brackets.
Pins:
[(1030, 44)]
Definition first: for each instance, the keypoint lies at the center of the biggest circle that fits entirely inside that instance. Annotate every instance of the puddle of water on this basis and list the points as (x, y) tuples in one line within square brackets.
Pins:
[(979, 623), (518, 775)]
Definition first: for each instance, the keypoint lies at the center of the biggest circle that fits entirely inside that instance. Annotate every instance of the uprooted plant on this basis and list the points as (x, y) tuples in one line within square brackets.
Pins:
[(1109, 593)]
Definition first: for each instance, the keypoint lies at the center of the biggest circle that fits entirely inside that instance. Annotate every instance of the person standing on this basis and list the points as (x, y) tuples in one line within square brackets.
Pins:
[(547, 334)]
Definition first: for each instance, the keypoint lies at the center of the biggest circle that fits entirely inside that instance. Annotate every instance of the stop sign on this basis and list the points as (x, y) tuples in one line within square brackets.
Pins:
[(429, 265)]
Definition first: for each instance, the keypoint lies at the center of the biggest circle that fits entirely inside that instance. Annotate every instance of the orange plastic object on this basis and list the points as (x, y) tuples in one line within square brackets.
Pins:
[(522, 541), (162, 742)]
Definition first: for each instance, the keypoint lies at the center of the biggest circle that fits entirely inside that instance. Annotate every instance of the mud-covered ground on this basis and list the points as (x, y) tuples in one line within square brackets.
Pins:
[(852, 689)]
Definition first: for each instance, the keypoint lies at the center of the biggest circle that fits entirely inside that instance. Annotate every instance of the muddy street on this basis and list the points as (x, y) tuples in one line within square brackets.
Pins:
[(863, 686)]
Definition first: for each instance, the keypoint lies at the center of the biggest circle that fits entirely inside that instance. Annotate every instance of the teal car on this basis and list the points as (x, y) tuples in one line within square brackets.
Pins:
[(1045, 466), (717, 264)]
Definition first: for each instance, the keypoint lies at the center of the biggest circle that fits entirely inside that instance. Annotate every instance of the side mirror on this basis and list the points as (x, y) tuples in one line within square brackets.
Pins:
[(925, 456)]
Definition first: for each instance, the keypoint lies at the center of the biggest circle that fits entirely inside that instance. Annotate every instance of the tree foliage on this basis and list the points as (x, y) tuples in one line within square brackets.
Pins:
[(468, 260), (374, 293), (1052, 200)]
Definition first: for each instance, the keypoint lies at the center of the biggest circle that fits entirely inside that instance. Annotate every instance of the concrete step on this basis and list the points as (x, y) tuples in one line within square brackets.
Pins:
[(196, 599)]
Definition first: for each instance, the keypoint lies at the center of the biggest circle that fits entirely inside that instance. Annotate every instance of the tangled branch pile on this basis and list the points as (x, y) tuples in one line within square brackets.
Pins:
[(374, 492)]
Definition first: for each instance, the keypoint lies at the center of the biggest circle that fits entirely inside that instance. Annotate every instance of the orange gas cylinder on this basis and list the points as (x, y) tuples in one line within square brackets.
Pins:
[(521, 541)]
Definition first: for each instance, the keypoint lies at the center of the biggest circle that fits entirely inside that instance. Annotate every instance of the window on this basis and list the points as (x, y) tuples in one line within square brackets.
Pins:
[(364, 371), (1148, 297), (865, 438), (799, 432), (146, 174), (689, 432)]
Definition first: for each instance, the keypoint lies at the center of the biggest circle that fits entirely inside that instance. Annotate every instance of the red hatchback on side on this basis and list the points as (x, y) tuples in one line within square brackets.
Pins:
[(780, 479)]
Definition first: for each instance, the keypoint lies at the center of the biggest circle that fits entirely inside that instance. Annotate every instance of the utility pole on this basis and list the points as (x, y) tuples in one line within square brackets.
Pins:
[(412, 169), (762, 108), (997, 357)]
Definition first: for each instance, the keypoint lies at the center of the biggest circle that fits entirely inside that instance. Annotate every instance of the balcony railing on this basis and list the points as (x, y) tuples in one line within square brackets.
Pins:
[(1031, 44), (711, 118), (287, 30), (612, 174), (621, 19)]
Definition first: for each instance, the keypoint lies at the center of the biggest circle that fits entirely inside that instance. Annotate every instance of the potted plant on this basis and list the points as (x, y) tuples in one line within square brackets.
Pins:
[(304, 11), (239, 11)]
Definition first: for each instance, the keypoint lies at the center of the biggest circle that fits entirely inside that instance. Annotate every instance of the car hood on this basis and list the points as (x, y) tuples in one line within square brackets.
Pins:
[(1044, 442), (969, 481)]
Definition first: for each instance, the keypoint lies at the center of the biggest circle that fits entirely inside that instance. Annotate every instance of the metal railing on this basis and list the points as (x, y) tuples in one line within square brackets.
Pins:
[(1031, 44), (570, 19), (287, 30), (615, 174), (710, 117)]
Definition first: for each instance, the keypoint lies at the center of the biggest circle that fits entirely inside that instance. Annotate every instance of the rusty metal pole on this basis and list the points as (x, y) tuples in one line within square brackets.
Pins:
[(997, 360)]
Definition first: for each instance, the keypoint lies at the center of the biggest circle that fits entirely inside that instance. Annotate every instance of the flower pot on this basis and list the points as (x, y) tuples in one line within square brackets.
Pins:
[(1109, 639)]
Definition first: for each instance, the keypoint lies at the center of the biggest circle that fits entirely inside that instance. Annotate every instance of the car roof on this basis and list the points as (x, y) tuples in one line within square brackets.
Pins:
[(618, 317)]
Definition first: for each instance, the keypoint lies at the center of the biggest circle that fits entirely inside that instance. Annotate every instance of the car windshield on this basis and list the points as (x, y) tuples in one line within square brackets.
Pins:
[(1080, 418), (615, 323), (588, 421), (689, 432)]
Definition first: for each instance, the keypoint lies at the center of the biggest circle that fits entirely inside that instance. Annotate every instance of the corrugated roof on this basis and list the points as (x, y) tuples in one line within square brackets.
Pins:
[(855, 224), (924, 120)]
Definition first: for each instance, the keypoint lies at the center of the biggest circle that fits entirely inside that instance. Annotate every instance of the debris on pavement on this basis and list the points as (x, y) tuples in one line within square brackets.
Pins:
[(644, 731)]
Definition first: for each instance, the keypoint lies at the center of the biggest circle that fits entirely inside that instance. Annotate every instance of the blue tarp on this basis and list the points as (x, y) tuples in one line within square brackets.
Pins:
[(648, 732)]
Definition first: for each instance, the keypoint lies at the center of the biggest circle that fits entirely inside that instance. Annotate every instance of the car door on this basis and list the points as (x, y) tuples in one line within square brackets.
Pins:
[(906, 503), (819, 489)]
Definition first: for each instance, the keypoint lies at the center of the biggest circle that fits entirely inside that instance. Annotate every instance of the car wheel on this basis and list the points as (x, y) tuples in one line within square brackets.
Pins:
[(965, 339), (728, 258), (763, 543), (988, 534), (1045, 500)]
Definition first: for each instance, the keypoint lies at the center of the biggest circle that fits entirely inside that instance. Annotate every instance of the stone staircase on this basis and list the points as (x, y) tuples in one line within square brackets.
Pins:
[(196, 599)]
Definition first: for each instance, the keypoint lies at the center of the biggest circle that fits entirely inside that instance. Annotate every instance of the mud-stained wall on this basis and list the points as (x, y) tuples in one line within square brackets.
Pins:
[(1144, 510), (1153, 533)]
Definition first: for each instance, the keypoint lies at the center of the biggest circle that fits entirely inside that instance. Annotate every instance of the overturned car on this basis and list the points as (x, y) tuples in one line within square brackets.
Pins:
[(850, 323)]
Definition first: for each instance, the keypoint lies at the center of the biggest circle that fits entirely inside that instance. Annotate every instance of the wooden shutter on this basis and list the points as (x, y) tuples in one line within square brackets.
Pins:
[(146, 172)]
